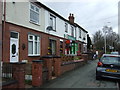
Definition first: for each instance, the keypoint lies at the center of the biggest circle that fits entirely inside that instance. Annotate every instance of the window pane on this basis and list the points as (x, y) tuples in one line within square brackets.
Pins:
[(31, 37), (34, 16), (38, 39), (79, 33), (66, 27), (35, 47), (32, 7), (53, 47), (13, 49), (54, 23), (38, 51), (13, 35), (37, 10), (35, 38), (30, 47), (51, 22)]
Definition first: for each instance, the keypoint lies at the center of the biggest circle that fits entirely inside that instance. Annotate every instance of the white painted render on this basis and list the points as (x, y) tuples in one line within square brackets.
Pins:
[(83, 34), (19, 14), (60, 28)]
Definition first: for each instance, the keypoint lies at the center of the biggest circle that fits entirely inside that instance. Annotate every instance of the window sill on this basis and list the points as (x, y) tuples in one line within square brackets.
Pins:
[(34, 23), (53, 30), (33, 55)]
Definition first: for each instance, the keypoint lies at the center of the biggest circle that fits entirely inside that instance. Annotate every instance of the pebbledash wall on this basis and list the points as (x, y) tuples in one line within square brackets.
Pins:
[(18, 20)]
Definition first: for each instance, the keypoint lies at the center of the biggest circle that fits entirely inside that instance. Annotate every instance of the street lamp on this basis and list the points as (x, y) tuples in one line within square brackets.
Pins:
[(106, 29)]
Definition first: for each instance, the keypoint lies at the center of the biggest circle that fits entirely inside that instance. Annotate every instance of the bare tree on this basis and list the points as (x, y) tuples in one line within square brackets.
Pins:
[(98, 40), (112, 40)]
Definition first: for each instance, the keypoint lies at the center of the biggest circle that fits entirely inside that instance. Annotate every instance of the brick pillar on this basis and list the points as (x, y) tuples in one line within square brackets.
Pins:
[(37, 72), (19, 73), (49, 61), (57, 66)]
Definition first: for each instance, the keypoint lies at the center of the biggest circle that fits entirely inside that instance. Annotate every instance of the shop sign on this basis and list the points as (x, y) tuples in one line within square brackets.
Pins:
[(67, 42), (71, 37)]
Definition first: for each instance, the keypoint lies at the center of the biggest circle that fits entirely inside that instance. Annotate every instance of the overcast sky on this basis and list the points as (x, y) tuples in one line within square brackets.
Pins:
[(92, 15)]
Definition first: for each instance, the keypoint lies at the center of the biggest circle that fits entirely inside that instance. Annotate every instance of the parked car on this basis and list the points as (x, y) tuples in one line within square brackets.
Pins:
[(115, 53), (108, 67)]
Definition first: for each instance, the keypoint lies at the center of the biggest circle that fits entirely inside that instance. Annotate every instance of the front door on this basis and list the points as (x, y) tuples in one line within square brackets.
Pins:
[(14, 47)]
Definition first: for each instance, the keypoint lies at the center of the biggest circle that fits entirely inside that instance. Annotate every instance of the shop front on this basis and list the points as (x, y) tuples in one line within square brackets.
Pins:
[(71, 47)]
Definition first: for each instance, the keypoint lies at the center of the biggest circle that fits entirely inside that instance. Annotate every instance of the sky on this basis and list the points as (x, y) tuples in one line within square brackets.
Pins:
[(92, 15)]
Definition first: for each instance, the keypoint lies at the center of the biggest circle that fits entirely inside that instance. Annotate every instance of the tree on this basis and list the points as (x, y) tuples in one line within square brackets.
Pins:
[(98, 40), (89, 42), (112, 40)]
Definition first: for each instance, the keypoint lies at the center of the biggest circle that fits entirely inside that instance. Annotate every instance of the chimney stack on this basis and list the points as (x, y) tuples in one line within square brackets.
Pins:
[(71, 18)]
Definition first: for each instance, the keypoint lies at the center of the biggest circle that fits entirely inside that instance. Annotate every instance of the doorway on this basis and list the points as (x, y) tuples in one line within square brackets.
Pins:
[(14, 40)]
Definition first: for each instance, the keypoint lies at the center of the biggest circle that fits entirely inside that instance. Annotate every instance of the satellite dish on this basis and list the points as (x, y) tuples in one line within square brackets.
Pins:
[(49, 28)]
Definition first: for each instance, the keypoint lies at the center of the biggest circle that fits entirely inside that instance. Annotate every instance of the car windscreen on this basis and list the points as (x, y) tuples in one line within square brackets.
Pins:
[(110, 60)]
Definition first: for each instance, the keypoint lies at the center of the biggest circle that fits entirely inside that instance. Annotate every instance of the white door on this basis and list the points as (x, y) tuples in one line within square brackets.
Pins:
[(14, 47)]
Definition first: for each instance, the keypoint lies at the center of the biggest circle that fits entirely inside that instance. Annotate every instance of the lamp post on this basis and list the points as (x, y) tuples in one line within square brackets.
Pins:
[(106, 29)]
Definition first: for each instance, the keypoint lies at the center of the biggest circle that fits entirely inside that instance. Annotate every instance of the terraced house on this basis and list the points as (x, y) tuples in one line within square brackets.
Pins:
[(32, 30)]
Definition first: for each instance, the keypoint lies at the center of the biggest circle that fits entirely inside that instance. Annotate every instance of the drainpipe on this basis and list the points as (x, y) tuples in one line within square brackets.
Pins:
[(3, 32), (1, 13)]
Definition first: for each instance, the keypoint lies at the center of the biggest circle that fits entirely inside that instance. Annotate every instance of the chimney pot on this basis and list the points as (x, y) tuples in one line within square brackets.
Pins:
[(71, 18)]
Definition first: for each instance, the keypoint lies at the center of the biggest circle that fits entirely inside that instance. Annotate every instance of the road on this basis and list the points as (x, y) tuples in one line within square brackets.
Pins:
[(83, 77)]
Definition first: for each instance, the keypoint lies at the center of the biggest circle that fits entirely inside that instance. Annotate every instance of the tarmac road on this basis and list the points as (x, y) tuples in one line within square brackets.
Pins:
[(83, 77)]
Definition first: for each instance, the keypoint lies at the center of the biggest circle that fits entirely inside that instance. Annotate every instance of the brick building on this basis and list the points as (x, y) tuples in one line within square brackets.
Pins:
[(32, 30)]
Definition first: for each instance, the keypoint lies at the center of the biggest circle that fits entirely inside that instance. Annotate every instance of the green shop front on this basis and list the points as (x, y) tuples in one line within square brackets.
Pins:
[(71, 45)]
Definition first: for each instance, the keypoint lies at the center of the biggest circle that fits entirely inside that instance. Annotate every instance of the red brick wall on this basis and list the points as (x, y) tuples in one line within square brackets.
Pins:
[(12, 85), (23, 39), (66, 68)]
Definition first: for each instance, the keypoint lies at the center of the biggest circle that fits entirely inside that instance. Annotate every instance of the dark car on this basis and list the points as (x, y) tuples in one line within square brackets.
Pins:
[(108, 67)]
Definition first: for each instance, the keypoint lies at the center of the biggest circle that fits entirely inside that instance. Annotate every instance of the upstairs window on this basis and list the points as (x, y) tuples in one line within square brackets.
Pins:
[(34, 14), (53, 22), (79, 33), (66, 27), (72, 31)]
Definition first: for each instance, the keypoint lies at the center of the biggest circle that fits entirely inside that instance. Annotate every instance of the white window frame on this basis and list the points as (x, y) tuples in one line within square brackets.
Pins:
[(34, 41), (37, 12), (52, 21)]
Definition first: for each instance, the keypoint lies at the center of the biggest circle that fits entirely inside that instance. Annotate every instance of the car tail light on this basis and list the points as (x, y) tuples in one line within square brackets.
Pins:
[(100, 64)]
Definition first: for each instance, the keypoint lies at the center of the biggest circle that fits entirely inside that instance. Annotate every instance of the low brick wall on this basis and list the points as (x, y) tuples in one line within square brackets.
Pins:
[(71, 65), (67, 67), (10, 84)]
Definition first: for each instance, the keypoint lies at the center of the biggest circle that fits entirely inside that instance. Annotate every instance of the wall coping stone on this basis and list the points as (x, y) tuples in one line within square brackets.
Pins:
[(37, 61), (51, 56), (72, 62), (9, 82), (17, 62)]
